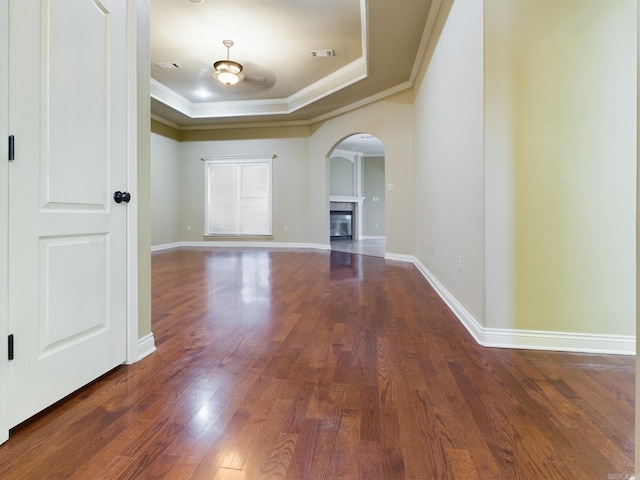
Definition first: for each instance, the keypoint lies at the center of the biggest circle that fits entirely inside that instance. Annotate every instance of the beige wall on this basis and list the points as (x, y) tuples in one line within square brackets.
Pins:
[(166, 195), (448, 139), (560, 164), (524, 134), (390, 120), (290, 178), (143, 170)]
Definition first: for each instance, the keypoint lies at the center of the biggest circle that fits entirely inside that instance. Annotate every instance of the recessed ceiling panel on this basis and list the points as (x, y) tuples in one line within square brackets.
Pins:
[(272, 41), (377, 44)]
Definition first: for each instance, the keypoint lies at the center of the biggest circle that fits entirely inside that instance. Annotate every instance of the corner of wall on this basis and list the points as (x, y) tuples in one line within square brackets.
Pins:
[(165, 130), (143, 167)]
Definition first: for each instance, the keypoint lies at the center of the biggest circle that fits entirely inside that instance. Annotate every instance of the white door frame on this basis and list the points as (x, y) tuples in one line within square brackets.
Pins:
[(132, 182), (4, 214), (132, 217)]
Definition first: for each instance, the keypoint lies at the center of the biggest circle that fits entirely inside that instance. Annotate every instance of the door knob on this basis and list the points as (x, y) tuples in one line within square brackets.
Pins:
[(120, 197)]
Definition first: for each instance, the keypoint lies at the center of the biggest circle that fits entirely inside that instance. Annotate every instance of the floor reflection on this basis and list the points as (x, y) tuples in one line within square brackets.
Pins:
[(376, 248), (250, 272), (256, 273), (344, 265)]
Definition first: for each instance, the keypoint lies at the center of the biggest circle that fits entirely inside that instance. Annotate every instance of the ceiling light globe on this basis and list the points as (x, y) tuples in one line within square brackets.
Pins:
[(228, 72), (228, 78)]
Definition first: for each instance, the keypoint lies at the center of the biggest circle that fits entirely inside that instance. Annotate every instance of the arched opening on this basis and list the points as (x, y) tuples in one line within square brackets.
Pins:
[(357, 212)]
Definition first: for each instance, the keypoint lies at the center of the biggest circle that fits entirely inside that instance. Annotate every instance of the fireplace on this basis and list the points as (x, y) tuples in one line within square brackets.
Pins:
[(341, 225), (345, 217)]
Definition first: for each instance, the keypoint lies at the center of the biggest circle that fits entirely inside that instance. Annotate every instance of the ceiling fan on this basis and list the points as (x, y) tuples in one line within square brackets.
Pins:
[(229, 72)]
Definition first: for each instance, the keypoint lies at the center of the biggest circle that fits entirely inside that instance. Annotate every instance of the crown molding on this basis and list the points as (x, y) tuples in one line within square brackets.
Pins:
[(425, 39), (293, 123), (342, 78), (163, 120), (347, 75), (362, 102)]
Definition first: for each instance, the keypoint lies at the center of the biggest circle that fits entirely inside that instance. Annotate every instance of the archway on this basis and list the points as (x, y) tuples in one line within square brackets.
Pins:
[(357, 206)]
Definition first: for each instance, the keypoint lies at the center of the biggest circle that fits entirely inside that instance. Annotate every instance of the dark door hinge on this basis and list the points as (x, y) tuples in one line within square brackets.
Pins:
[(12, 148), (10, 349)]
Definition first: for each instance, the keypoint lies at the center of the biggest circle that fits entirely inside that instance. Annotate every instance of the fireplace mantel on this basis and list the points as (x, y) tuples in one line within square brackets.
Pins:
[(346, 199)]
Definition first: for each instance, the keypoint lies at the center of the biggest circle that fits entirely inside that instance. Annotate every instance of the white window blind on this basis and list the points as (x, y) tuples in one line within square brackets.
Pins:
[(238, 196)]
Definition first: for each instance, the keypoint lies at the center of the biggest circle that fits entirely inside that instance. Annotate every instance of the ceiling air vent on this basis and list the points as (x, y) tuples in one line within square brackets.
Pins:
[(323, 53), (167, 65)]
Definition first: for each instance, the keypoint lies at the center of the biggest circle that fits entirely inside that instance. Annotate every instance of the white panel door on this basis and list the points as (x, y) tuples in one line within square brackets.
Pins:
[(67, 237)]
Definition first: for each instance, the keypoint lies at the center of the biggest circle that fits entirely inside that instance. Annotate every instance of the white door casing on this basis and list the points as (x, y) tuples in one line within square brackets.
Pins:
[(4, 204), (69, 267)]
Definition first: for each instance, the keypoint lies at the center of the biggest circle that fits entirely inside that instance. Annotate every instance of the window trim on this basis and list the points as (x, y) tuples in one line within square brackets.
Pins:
[(236, 160)]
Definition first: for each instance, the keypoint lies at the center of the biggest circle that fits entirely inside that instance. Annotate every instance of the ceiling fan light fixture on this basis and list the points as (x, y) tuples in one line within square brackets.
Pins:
[(227, 71)]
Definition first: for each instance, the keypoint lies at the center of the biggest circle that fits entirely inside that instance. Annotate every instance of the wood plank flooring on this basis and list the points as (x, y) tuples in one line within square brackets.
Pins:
[(375, 247), (318, 365)]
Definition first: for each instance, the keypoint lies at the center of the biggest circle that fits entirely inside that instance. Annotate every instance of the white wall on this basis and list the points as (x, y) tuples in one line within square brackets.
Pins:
[(166, 194), (448, 144)]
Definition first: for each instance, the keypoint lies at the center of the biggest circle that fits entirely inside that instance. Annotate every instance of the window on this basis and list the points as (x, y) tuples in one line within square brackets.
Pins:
[(238, 195)]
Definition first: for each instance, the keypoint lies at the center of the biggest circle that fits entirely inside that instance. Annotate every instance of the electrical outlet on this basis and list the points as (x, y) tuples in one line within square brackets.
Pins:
[(286, 229), (460, 262), (188, 228)]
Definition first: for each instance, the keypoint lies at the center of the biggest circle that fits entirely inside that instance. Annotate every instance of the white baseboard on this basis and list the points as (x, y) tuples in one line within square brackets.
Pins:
[(400, 257), (566, 342), (373, 237), (530, 339), (165, 246), (146, 346), (256, 244), (252, 244), (468, 321)]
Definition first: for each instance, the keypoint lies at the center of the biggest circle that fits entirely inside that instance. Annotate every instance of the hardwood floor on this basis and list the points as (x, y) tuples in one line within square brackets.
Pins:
[(377, 248), (326, 365)]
